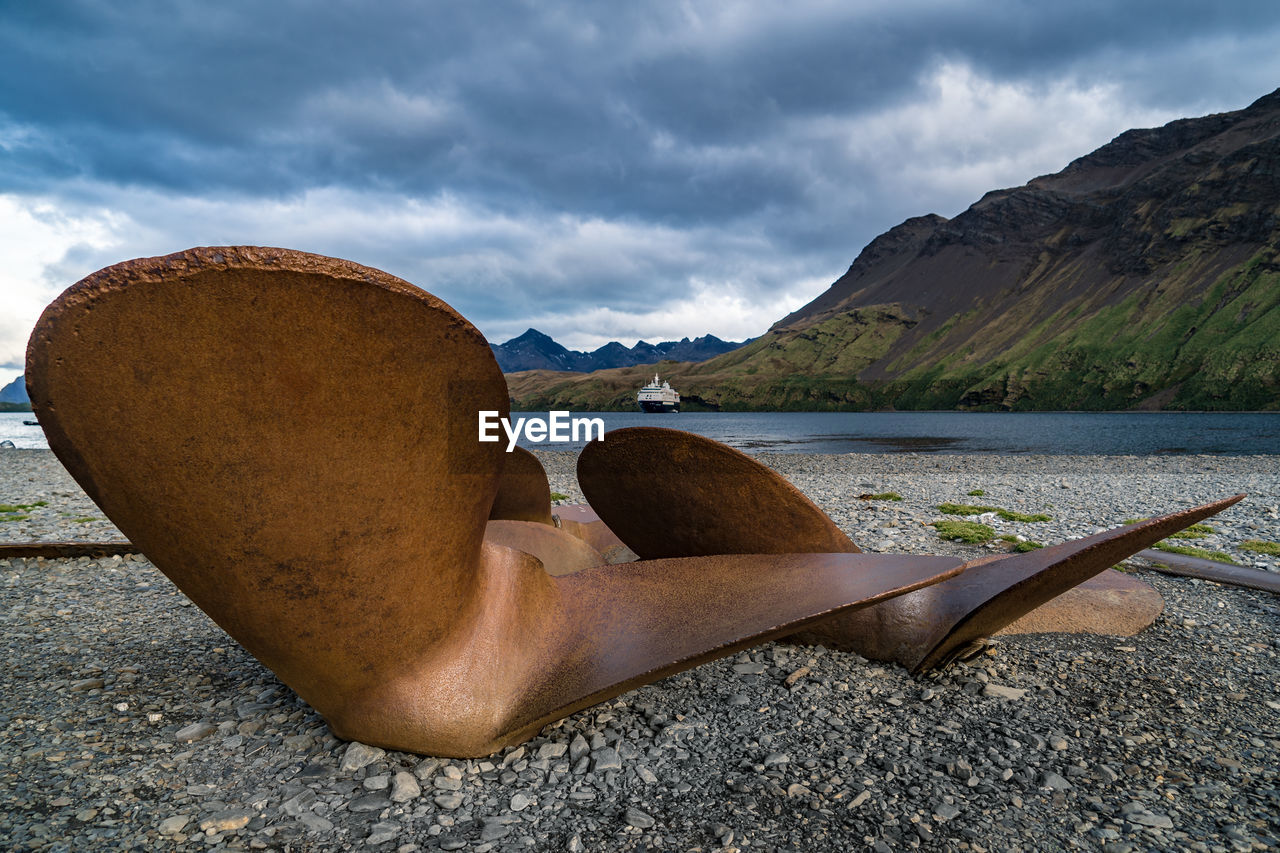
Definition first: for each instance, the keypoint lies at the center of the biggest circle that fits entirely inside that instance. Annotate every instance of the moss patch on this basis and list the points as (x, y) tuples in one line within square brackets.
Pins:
[(881, 496), (1195, 531), (556, 496), (1258, 546), (976, 493), (1021, 546), (1192, 551), (964, 509), (21, 507), (971, 532), (1006, 514)]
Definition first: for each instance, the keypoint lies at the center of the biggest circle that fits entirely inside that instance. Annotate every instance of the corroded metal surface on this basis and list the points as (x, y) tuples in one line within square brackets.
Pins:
[(214, 404), (64, 550), (668, 493), (581, 521), (523, 492), (1111, 604), (561, 553), (1211, 570), (692, 490)]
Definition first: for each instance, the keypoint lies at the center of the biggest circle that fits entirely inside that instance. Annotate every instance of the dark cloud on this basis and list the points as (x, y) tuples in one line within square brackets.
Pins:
[(570, 155)]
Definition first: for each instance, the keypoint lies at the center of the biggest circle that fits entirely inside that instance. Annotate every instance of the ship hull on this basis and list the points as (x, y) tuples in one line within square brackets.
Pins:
[(657, 407)]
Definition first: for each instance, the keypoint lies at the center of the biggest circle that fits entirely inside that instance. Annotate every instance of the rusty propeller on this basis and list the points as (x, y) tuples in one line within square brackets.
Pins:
[(215, 404)]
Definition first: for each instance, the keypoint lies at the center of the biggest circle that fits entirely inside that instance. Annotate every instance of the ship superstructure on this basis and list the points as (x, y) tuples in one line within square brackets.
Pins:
[(656, 397)]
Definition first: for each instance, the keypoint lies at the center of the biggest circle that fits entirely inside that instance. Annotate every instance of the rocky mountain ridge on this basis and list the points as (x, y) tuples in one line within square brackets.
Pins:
[(534, 350), (15, 391), (1144, 275)]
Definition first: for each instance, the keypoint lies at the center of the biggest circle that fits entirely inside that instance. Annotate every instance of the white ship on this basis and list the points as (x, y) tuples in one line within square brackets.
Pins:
[(658, 398)]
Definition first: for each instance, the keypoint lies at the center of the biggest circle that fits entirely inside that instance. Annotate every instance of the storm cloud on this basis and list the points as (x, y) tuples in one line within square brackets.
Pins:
[(599, 172)]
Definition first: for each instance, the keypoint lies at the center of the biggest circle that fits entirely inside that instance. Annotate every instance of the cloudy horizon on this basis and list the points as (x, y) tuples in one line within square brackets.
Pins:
[(655, 171)]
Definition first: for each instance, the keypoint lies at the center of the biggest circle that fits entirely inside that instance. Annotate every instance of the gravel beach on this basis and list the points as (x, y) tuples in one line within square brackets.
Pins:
[(130, 721)]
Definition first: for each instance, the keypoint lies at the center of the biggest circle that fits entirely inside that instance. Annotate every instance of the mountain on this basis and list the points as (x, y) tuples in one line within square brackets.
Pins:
[(1145, 275), (535, 351), (15, 392)]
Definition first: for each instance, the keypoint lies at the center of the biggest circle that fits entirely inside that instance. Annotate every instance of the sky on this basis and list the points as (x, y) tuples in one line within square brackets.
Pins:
[(649, 170)]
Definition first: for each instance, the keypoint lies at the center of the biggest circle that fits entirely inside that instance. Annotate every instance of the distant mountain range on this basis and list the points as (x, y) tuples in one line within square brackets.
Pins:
[(15, 392), (1145, 275), (535, 351)]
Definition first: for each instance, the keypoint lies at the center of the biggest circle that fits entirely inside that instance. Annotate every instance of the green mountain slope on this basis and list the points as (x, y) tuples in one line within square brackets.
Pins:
[(1144, 275)]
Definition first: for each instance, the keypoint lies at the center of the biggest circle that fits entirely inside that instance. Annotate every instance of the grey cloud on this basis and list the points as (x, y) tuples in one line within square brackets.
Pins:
[(714, 139)]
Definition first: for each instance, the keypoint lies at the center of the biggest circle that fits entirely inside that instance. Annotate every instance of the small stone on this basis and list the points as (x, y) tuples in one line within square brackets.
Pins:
[(173, 825), (646, 775), (1057, 744), (369, 803), (552, 750), (800, 673), (862, 797), (226, 821), (1000, 691), (578, 747), (606, 758), (452, 843), (634, 817), (382, 832), (86, 815), (1052, 780), (448, 802), (376, 783), (359, 755), (314, 823), (945, 811), (1146, 818), (520, 802), (194, 732), (750, 668), (775, 758), (404, 787), (88, 684), (492, 830)]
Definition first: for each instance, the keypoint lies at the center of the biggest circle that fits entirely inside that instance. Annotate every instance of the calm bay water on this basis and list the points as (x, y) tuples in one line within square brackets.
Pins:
[(1109, 433)]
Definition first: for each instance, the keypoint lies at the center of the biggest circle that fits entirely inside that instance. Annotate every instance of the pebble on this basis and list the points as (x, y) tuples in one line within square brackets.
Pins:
[(358, 755), (640, 820), (382, 832), (605, 759), (194, 732), (226, 820), (173, 825), (1002, 691), (404, 788), (448, 802)]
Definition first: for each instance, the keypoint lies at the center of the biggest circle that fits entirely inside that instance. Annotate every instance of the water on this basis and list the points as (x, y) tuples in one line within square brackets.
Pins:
[(13, 429), (1058, 433), (1054, 433)]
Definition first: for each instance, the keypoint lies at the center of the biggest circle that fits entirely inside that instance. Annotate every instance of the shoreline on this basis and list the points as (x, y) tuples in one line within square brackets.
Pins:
[(129, 718)]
